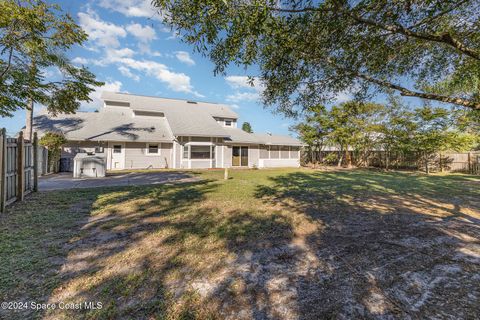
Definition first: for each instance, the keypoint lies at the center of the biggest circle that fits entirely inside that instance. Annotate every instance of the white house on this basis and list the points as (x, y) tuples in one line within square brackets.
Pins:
[(140, 132)]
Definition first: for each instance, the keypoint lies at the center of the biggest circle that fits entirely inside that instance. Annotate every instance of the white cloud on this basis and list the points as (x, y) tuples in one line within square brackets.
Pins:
[(142, 33), (104, 33), (145, 48), (128, 73), (179, 82), (80, 60), (244, 91), (243, 96), (97, 103), (114, 54), (132, 8), (242, 82), (184, 57)]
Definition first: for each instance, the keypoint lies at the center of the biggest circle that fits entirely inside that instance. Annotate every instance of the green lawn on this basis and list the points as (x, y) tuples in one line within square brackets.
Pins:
[(283, 243)]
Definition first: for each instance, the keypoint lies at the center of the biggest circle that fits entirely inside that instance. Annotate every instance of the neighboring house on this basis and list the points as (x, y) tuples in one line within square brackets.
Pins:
[(139, 132)]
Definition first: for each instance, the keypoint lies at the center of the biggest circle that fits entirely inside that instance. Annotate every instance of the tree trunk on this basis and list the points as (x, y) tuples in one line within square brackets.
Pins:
[(29, 121), (427, 169), (340, 158), (387, 160), (348, 158)]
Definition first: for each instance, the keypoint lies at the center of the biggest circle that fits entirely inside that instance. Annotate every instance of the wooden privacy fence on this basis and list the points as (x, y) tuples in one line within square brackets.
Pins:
[(466, 162), (461, 162), (19, 164)]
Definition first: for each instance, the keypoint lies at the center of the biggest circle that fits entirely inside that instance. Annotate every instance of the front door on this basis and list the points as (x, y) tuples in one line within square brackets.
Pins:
[(240, 156), (117, 155)]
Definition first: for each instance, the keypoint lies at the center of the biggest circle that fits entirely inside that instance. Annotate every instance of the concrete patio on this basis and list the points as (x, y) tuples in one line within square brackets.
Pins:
[(65, 180)]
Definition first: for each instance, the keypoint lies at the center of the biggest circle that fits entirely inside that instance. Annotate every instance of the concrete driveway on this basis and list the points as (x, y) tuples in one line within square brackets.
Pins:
[(62, 181)]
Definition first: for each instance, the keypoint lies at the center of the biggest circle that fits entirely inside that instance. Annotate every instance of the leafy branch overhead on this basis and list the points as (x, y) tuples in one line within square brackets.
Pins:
[(310, 51), (33, 37)]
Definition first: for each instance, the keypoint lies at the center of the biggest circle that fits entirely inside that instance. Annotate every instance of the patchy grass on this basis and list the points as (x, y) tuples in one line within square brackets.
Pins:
[(279, 243)]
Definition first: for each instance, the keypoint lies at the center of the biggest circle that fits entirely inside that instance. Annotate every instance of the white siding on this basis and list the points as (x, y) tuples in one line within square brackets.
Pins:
[(178, 155), (136, 156), (200, 164), (228, 156), (279, 163), (253, 156)]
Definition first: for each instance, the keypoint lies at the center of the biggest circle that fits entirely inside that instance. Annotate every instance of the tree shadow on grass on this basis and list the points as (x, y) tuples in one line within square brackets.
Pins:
[(394, 245), (159, 252), (321, 245)]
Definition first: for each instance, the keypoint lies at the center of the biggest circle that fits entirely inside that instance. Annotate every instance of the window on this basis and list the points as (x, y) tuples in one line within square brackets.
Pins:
[(99, 149), (284, 152), (199, 152), (274, 152), (263, 152), (294, 153), (152, 148), (117, 148), (228, 123), (185, 152)]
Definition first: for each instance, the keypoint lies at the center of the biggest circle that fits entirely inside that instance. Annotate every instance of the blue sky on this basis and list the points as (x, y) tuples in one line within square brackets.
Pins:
[(131, 51)]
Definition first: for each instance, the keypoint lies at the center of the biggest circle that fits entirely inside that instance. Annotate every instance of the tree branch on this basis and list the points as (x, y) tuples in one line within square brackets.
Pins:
[(8, 64), (445, 38), (438, 15), (430, 96)]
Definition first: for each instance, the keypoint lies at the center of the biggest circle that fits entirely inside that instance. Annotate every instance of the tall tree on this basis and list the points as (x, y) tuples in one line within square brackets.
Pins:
[(354, 126), (314, 131), (247, 127), (310, 51), (433, 132), (395, 130), (34, 36)]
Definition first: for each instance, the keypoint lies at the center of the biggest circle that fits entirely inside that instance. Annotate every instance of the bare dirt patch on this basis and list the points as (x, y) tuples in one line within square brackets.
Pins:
[(274, 244)]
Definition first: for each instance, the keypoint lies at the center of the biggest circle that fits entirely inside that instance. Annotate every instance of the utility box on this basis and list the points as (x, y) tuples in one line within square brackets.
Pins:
[(91, 166)]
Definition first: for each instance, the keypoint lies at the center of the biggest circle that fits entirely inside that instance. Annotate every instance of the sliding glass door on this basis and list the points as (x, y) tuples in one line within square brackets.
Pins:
[(240, 156)]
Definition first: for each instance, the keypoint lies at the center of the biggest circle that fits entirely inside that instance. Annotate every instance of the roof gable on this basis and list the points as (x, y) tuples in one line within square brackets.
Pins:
[(184, 117)]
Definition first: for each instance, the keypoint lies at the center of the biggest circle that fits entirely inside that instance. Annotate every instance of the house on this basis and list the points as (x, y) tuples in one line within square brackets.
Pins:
[(140, 132)]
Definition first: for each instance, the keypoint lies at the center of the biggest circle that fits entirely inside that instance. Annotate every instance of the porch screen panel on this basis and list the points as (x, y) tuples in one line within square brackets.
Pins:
[(263, 152), (284, 152), (294, 152), (274, 152)]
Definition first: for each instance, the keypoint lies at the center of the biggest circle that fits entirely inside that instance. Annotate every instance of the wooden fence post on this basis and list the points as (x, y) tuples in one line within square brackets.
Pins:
[(3, 170), (20, 168), (35, 162), (469, 162)]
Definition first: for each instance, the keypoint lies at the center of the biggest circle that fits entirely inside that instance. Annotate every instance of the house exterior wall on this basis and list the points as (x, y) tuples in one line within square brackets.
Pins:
[(177, 151), (279, 156), (228, 156), (136, 156), (200, 164), (171, 154), (253, 156), (278, 163)]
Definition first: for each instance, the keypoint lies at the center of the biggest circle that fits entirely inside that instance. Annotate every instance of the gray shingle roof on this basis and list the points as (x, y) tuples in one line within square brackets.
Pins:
[(185, 118), (240, 136), (270, 139), (105, 125), (181, 119)]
